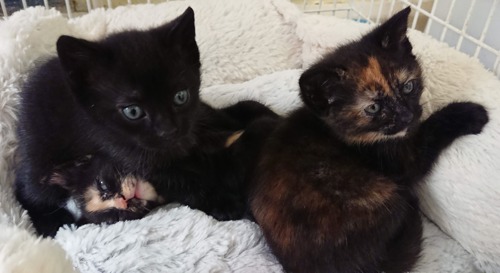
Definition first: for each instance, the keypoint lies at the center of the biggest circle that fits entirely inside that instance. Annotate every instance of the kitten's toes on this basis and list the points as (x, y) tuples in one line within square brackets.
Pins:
[(468, 116)]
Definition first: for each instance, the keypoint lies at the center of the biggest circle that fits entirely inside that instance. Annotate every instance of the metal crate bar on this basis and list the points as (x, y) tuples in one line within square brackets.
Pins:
[(393, 4), (68, 8), (89, 6), (380, 8), (463, 34), (417, 14), (448, 17), (486, 27), (4, 8), (463, 31)]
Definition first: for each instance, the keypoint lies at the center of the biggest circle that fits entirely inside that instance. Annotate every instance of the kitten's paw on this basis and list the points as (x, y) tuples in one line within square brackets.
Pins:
[(465, 117)]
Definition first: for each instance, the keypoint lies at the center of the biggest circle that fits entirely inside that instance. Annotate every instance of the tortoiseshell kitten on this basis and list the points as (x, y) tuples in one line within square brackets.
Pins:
[(333, 190), (100, 193)]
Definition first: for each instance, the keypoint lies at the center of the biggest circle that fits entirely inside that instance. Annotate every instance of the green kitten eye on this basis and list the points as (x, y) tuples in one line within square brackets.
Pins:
[(181, 97), (408, 87), (372, 109), (133, 112)]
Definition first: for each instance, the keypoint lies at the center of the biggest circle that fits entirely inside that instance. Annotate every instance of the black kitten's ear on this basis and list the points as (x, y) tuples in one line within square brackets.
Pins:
[(392, 33), (317, 87), (77, 55), (180, 33), (181, 29)]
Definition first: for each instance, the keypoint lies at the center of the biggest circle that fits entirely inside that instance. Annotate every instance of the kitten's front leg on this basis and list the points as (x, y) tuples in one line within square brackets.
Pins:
[(443, 127), (247, 111)]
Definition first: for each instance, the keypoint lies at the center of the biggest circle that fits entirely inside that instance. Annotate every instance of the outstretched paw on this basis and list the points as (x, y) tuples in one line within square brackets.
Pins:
[(464, 117)]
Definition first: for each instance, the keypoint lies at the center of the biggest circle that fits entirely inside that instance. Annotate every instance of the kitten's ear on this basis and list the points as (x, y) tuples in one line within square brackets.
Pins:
[(181, 34), (59, 179), (181, 29), (77, 55), (317, 87), (392, 33)]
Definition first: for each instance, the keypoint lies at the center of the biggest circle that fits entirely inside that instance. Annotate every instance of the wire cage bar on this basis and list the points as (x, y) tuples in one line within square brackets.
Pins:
[(468, 25)]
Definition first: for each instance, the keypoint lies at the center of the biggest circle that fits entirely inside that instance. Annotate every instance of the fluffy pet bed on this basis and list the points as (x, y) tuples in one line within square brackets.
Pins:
[(250, 50)]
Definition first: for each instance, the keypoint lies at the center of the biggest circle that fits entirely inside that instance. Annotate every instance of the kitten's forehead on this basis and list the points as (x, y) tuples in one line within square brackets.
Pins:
[(371, 78), (375, 77)]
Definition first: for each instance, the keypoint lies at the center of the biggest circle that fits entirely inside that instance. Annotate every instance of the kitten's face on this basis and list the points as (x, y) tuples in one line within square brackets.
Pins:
[(369, 90), (108, 189), (142, 87), (102, 193)]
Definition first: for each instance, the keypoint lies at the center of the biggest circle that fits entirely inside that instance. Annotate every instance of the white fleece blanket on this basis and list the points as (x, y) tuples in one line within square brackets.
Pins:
[(240, 41)]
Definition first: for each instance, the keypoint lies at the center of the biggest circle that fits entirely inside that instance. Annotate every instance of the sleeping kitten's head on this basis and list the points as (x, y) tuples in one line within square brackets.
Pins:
[(142, 87), (101, 193), (368, 90)]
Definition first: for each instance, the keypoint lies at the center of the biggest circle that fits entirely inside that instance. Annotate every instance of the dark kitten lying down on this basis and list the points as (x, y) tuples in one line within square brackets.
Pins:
[(333, 190), (99, 193), (134, 98)]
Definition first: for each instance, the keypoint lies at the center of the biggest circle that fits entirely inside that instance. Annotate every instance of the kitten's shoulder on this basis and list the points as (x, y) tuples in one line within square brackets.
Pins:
[(46, 76), (47, 66), (303, 121)]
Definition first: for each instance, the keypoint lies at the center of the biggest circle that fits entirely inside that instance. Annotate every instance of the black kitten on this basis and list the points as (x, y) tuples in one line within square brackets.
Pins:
[(333, 190), (133, 97)]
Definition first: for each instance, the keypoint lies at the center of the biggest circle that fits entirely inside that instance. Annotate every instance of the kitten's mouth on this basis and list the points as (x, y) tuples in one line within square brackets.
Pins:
[(170, 145), (396, 132)]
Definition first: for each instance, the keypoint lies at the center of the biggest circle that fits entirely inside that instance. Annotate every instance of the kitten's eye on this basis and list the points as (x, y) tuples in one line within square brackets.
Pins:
[(133, 112), (102, 185), (181, 97), (408, 87), (372, 109)]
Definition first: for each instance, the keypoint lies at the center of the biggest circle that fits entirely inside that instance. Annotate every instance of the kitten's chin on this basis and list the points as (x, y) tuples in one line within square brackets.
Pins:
[(170, 147), (374, 137), (397, 134)]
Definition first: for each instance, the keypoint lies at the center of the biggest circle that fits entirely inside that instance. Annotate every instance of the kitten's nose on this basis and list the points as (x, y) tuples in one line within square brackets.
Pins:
[(121, 203), (165, 131), (406, 117)]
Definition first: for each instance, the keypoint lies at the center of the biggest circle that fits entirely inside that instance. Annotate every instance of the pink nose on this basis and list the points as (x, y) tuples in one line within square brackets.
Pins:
[(120, 203)]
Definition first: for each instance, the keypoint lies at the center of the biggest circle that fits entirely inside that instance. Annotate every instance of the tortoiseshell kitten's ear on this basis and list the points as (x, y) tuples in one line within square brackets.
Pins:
[(391, 35), (62, 174), (319, 85)]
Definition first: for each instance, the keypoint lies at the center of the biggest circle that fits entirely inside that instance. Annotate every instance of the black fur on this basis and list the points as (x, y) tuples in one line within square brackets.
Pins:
[(216, 182), (75, 104), (333, 190)]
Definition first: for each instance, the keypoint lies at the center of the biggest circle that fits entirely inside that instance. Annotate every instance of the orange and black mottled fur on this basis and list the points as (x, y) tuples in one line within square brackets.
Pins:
[(333, 189)]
